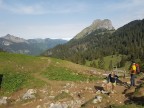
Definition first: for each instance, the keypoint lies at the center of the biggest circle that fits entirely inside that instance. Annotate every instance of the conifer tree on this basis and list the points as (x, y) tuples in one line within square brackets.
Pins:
[(101, 63)]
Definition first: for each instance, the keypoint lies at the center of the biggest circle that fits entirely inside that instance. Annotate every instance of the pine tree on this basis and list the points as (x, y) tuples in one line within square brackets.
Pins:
[(122, 62), (110, 65), (101, 63)]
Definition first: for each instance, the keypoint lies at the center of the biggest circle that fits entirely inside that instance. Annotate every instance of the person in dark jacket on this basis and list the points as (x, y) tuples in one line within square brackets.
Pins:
[(112, 80)]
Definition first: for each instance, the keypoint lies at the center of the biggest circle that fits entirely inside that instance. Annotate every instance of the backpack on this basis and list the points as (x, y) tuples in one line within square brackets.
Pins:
[(137, 68)]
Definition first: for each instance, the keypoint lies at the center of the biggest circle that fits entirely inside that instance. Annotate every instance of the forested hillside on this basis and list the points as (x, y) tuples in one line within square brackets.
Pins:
[(87, 48), (127, 40)]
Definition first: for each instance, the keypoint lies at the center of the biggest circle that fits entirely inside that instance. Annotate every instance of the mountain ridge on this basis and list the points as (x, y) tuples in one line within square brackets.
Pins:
[(14, 44)]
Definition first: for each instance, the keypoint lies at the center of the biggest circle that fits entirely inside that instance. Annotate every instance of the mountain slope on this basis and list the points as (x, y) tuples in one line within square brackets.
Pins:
[(86, 44), (127, 40), (15, 44)]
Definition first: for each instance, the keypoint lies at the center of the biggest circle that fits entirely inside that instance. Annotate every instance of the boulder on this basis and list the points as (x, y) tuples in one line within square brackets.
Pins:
[(30, 94), (58, 105), (3, 100), (97, 99)]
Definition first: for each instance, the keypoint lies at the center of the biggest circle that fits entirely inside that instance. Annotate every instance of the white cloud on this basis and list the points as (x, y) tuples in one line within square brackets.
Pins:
[(35, 9), (21, 8), (43, 8)]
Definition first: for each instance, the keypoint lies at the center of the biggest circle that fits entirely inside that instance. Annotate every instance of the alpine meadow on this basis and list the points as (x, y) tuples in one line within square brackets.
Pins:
[(71, 53)]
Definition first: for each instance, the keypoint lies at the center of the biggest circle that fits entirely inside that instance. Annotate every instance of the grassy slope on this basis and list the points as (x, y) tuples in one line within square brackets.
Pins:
[(115, 59), (19, 70)]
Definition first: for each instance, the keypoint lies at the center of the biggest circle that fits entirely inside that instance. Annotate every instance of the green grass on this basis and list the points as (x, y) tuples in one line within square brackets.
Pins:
[(19, 71), (20, 63), (13, 81), (114, 58), (107, 59), (65, 74)]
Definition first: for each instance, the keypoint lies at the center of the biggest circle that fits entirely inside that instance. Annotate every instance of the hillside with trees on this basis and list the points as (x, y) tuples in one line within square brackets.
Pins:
[(127, 40)]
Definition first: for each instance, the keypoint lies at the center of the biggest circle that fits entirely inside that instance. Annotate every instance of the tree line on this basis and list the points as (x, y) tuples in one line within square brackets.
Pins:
[(127, 40)]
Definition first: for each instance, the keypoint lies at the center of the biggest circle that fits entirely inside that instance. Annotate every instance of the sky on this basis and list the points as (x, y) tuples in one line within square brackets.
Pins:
[(63, 19)]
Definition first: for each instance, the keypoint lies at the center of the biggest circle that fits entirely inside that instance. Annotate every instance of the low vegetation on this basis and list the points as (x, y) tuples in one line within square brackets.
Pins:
[(65, 74), (18, 71), (110, 62)]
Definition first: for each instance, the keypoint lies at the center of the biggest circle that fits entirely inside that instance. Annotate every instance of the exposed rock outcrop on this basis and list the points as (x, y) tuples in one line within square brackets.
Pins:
[(96, 25), (3, 100), (30, 94)]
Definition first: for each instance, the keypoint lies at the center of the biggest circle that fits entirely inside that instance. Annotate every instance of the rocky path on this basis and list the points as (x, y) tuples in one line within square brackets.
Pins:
[(65, 94)]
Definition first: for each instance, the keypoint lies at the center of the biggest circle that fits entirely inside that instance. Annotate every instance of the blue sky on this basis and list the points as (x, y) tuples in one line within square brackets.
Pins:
[(63, 18)]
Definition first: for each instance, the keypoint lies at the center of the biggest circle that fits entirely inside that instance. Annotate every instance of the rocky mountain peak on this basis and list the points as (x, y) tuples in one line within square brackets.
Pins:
[(14, 38), (102, 24), (97, 24)]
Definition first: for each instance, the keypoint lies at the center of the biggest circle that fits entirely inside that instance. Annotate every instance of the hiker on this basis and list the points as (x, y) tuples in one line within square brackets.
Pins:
[(112, 79), (1, 76), (133, 72)]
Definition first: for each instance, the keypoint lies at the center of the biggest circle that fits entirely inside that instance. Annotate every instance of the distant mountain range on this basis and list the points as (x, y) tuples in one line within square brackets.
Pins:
[(100, 39), (15, 44)]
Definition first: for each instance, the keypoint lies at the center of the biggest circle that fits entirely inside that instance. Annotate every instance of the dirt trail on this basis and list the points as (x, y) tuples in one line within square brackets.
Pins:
[(87, 92), (54, 84)]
